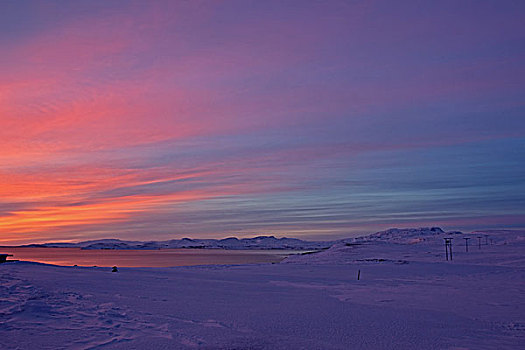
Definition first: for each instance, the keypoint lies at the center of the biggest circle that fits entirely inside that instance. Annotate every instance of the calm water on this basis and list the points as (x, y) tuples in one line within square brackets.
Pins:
[(146, 258)]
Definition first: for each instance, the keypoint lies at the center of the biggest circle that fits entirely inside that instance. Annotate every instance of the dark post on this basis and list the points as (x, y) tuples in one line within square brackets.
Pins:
[(466, 243), (448, 247), (479, 242), (358, 274)]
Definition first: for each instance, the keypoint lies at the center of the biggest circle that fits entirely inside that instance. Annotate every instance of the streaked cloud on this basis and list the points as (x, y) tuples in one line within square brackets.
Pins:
[(151, 120)]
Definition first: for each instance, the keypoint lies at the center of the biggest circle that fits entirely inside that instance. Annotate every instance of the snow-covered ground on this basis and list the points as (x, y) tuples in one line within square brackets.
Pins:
[(408, 297)]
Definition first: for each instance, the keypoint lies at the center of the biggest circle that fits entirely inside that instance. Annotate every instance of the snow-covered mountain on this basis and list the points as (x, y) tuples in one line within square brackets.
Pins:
[(261, 242), (393, 235), (404, 235), (401, 246)]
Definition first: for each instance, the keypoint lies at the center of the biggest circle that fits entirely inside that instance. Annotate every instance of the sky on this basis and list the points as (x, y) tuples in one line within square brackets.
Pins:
[(153, 120)]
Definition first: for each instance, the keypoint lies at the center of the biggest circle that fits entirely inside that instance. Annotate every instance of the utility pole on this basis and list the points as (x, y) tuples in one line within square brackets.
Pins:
[(448, 247), (466, 243)]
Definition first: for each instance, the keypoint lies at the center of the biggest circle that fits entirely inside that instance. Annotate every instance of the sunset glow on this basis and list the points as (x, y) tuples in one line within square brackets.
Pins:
[(152, 120)]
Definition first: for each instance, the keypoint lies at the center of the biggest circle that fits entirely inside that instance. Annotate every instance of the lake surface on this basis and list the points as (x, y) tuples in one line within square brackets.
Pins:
[(146, 258)]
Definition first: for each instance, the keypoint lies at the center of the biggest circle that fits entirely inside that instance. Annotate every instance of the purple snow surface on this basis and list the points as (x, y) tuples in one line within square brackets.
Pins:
[(408, 297)]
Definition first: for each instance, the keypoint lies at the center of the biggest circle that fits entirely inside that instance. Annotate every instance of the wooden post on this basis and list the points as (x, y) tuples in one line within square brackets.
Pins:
[(358, 274), (466, 243), (448, 247)]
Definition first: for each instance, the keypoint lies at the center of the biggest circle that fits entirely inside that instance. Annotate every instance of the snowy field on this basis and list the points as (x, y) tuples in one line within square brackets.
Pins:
[(408, 297)]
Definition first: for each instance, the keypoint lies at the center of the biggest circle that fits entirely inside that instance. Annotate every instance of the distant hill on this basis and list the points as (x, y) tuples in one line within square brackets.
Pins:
[(261, 242), (393, 235), (406, 235)]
